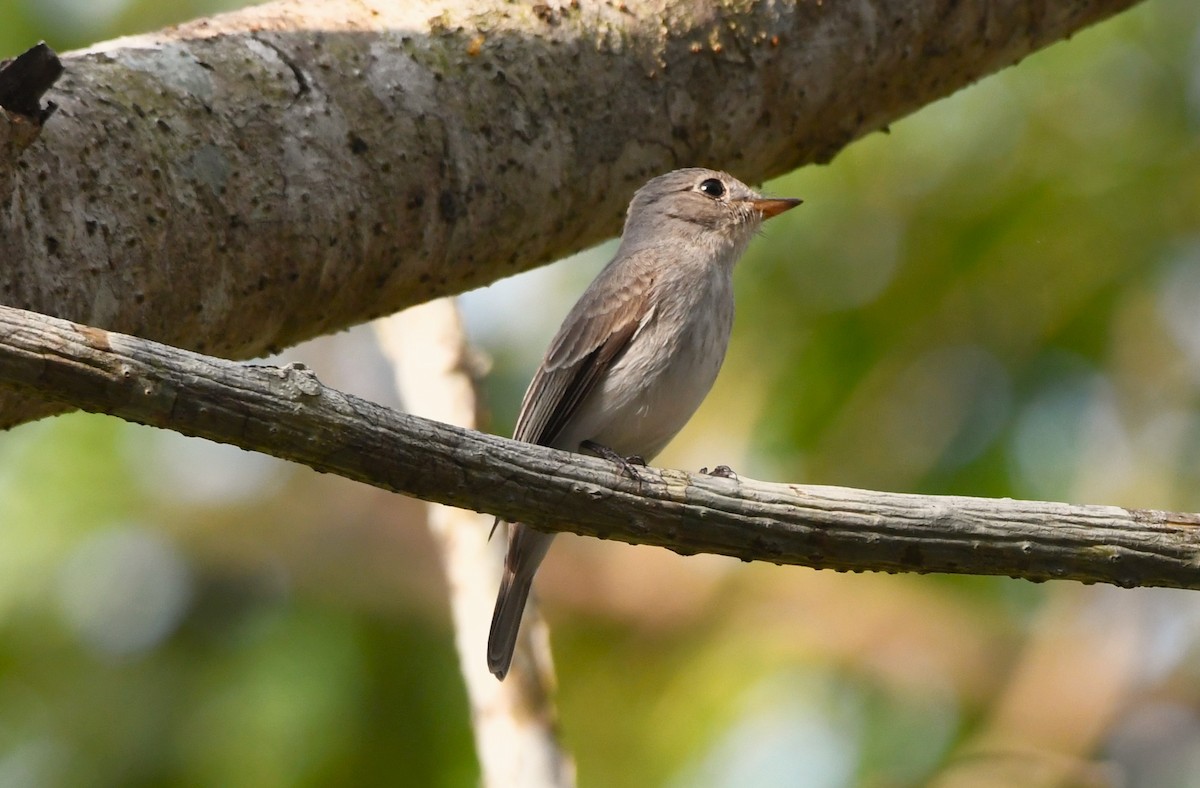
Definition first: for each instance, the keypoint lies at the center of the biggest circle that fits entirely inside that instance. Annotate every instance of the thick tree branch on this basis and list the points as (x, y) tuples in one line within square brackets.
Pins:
[(288, 413), (244, 182)]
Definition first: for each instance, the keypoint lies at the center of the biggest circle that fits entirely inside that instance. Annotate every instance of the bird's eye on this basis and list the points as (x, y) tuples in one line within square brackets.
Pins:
[(713, 188)]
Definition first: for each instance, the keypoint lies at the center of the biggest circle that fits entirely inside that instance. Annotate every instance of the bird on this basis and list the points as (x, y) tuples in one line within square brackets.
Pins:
[(638, 352)]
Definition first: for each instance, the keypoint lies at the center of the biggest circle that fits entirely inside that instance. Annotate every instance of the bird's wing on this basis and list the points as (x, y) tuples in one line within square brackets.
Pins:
[(591, 339)]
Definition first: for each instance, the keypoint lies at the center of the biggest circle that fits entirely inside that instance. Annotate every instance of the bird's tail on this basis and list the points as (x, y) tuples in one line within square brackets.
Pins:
[(506, 621), (526, 549)]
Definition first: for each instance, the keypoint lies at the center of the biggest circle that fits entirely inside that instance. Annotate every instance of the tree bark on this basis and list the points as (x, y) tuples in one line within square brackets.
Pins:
[(241, 183), (288, 413)]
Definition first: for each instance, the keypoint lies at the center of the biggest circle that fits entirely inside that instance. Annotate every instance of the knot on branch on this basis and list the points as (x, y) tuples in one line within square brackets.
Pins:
[(25, 79)]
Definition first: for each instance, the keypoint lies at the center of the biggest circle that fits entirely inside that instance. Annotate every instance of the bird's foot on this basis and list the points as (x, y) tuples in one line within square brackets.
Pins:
[(626, 464), (721, 471)]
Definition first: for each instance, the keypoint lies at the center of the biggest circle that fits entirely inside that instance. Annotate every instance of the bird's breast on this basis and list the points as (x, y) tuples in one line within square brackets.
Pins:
[(665, 373)]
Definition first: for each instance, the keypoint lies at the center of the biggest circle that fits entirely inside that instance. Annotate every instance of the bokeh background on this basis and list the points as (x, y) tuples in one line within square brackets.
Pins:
[(1000, 297)]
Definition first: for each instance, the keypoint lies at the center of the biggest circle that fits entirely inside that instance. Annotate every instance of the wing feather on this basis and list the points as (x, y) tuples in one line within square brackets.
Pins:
[(592, 338)]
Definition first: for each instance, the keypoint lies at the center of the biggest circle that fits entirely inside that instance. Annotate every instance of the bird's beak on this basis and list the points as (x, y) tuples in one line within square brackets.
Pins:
[(773, 206)]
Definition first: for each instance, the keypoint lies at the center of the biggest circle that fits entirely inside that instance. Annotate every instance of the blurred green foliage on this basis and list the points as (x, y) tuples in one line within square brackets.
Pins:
[(997, 297), (951, 275)]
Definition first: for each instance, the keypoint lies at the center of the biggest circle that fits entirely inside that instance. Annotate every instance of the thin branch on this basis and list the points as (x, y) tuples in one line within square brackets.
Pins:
[(515, 724), (288, 413), (240, 183)]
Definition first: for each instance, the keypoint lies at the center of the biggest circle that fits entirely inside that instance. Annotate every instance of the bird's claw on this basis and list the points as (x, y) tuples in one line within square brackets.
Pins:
[(721, 471), (626, 464)]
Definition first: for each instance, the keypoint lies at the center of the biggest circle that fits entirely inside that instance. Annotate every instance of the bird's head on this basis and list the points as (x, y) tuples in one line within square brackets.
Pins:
[(698, 204)]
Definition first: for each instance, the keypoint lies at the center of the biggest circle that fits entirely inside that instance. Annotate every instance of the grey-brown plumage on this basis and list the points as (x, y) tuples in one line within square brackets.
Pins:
[(641, 348)]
